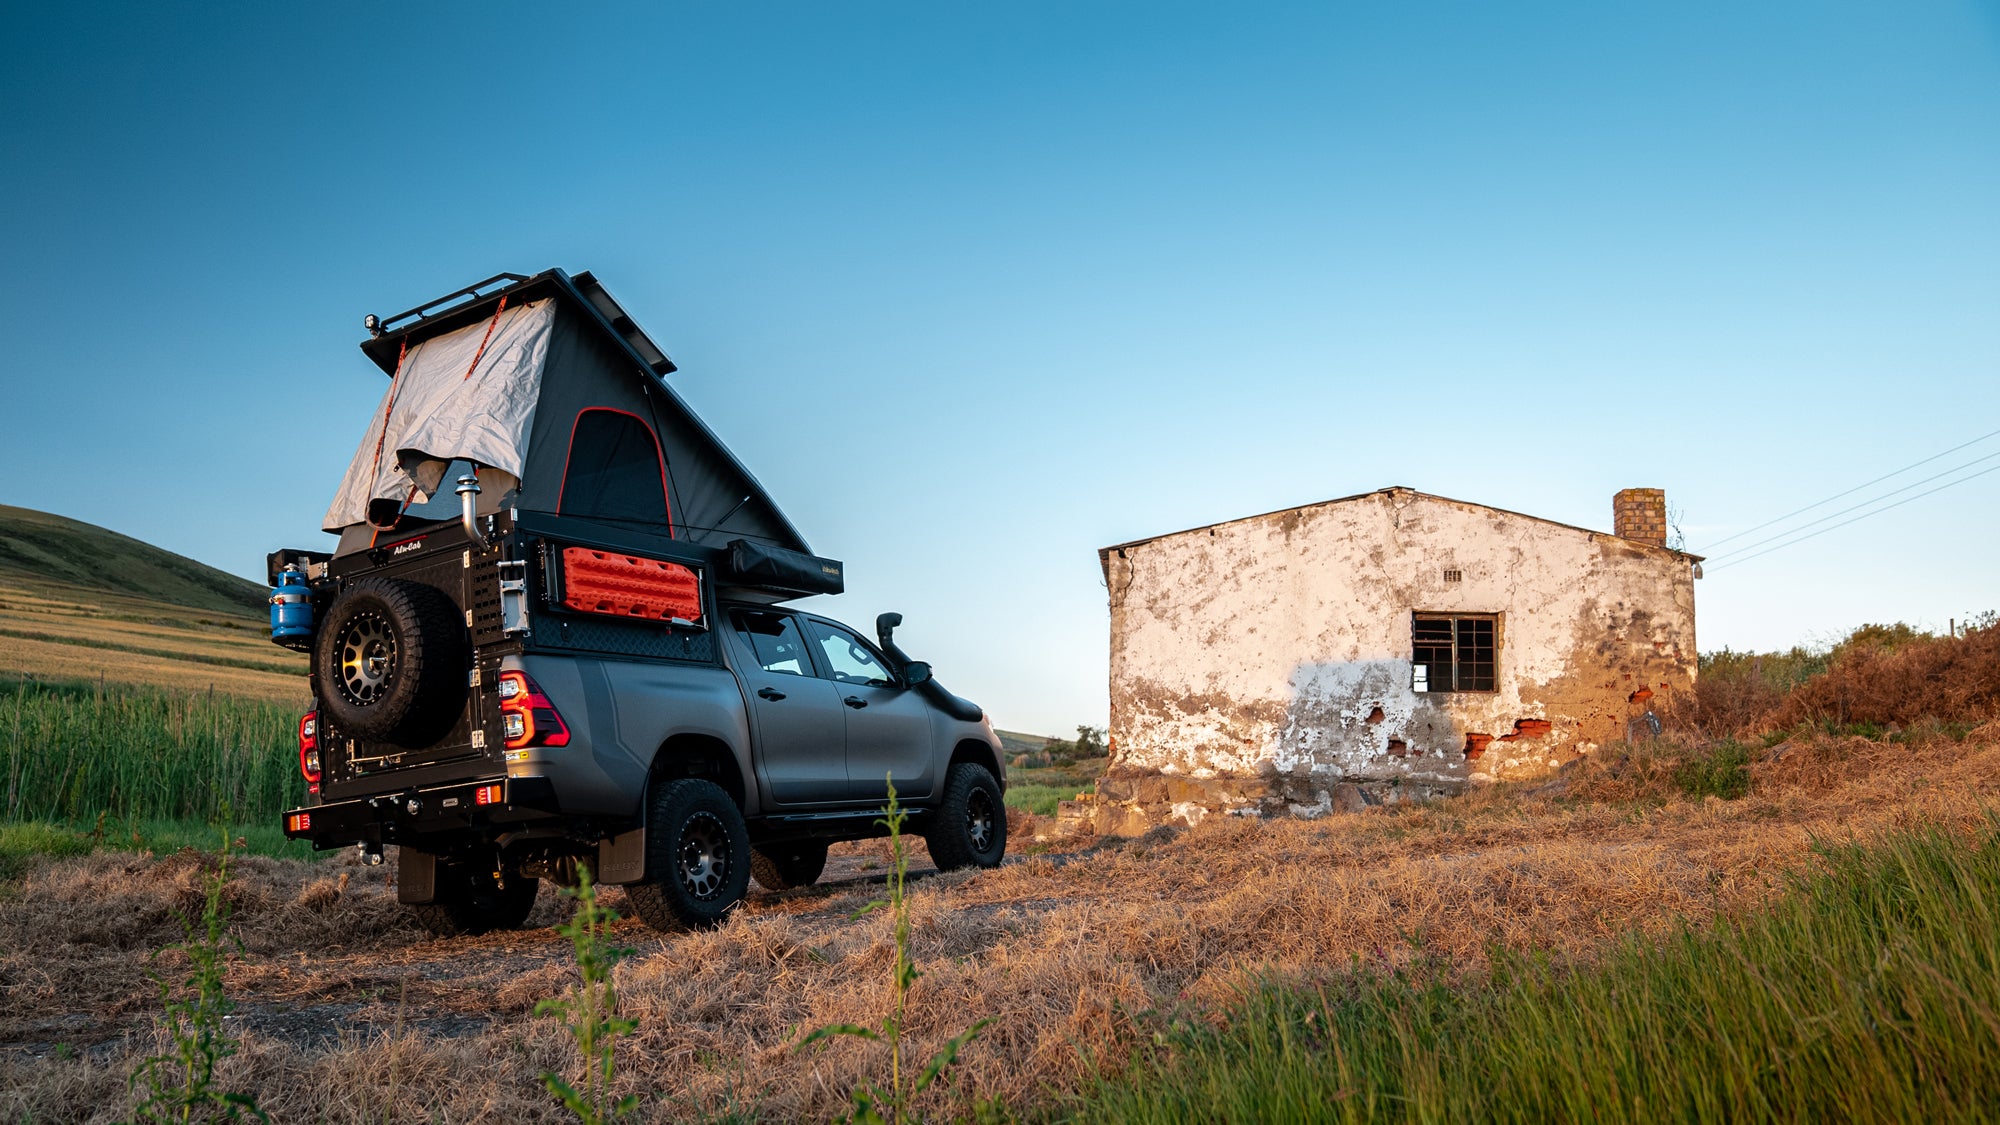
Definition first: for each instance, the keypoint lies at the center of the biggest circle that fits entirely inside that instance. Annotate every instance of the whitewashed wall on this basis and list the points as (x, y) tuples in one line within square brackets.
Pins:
[(1264, 647)]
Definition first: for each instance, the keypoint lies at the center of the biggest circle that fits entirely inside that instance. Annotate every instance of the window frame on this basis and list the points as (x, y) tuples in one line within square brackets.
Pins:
[(821, 658), (659, 459), (1493, 621), (812, 659)]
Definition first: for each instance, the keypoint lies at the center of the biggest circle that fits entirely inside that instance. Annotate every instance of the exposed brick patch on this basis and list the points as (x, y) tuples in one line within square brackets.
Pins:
[(1475, 744), (1376, 715), (1640, 696), (1399, 748), (1528, 728)]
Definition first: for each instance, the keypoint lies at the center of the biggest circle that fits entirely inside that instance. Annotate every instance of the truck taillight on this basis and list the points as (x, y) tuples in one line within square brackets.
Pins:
[(309, 748), (527, 718)]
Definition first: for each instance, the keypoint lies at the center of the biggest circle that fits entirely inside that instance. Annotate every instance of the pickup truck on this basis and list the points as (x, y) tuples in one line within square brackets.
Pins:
[(584, 658)]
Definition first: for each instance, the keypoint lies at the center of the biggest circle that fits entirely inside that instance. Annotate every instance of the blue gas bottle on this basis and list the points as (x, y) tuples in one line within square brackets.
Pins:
[(291, 606)]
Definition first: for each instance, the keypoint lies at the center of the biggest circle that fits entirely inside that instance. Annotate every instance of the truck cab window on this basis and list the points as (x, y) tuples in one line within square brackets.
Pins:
[(774, 638), (849, 658)]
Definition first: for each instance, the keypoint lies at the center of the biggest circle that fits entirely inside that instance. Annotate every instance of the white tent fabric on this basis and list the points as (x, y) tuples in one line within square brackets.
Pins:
[(441, 408)]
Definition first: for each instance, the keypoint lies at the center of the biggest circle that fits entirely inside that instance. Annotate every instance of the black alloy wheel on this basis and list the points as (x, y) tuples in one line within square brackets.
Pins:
[(703, 851), (980, 816), (969, 828), (697, 856)]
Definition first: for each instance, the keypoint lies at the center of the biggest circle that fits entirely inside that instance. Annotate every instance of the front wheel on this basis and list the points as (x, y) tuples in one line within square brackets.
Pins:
[(697, 857), (969, 828)]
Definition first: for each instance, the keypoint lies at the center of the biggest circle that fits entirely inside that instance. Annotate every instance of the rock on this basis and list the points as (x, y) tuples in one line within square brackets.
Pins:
[(1347, 797)]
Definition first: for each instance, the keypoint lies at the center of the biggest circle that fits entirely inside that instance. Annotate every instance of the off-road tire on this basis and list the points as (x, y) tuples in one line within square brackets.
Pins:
[(780, 867), (390, 661), (697, 857), (469, 902), (969, 828)]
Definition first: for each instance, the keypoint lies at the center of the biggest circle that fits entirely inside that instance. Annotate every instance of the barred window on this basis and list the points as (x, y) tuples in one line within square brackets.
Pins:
[(1454, 651)]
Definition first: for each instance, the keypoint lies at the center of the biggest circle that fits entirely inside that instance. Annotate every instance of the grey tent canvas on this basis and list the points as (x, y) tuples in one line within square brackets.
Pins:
[(551, 390)]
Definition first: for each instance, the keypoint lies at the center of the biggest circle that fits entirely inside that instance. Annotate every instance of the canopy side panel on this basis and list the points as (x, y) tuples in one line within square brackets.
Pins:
[(706, 488)]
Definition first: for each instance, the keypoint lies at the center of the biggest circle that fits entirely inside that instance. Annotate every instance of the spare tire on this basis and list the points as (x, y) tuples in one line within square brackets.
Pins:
[(390, 661)]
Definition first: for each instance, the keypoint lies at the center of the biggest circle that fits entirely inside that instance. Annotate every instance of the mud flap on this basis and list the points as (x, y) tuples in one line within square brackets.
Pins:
[(622, 858), (416, 877)]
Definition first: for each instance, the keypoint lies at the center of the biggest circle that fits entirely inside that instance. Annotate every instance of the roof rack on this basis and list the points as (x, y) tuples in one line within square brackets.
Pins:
[(422, 312)]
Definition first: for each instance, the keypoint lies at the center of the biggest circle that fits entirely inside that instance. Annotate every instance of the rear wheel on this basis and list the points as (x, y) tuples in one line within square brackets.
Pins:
[(780, 867), (472, 899), (697, 857), (969, 828)]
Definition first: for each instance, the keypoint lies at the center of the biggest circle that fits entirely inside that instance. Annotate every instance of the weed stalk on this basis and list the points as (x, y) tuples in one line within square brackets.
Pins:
[(591, 1012), (180, 1084), (874, 1105)]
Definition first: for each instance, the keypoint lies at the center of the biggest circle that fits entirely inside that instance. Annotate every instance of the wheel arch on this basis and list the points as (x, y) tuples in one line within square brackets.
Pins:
[(979, 754), (703, 756)]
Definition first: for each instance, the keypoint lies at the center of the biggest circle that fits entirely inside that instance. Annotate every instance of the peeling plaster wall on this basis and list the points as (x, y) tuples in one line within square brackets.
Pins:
[(1279, 646)]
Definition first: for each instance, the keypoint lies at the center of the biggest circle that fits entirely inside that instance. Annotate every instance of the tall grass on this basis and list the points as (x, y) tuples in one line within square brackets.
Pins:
[(76, 751), (1868, 993)]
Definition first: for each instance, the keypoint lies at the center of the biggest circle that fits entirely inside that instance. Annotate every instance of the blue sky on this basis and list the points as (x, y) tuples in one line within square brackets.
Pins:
[(976, 291)]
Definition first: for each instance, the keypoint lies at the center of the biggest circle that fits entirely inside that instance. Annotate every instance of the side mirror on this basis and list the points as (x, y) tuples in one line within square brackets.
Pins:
[(916, 672)]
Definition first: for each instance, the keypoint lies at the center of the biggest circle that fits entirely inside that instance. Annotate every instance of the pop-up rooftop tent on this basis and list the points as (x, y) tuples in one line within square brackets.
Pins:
[(549, 388)]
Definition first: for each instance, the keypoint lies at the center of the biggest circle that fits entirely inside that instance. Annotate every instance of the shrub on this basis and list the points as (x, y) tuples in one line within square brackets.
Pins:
[(1901, 678), (1719, 771)]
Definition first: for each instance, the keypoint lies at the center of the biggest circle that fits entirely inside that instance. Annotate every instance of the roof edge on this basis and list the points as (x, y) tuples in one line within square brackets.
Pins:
[(1391, 489)]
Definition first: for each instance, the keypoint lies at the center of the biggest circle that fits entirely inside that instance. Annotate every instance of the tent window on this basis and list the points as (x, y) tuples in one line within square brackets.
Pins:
[(615, 470)]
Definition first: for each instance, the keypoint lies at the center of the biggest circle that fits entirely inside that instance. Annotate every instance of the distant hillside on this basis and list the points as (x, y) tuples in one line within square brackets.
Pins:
[(78, 602), (1014, 742), (39, 546)]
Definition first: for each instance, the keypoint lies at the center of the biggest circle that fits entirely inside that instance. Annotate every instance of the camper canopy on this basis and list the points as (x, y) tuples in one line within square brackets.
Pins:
[(545, 379)]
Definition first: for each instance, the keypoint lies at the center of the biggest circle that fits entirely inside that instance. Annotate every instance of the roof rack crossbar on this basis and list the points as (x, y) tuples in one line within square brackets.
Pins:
[(471, 292)]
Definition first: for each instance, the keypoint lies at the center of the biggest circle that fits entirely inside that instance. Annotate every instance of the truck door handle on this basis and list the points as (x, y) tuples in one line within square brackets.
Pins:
[(855, 702), (770, 693)]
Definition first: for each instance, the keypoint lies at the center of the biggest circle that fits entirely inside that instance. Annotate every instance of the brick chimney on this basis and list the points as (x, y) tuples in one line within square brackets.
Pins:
[(1640, 514)]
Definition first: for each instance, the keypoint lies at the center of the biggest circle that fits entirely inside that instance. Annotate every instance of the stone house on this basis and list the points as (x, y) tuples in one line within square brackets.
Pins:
[(1381, 647)]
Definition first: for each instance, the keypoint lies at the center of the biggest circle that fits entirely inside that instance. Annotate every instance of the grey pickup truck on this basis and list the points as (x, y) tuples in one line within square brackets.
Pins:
[(554, 635)]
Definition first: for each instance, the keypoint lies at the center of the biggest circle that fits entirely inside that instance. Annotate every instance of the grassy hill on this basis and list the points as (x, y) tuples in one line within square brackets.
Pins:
[(79, 601), (39, 547)]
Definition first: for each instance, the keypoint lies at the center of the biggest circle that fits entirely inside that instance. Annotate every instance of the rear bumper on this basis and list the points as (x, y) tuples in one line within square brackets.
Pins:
[(408, 814)]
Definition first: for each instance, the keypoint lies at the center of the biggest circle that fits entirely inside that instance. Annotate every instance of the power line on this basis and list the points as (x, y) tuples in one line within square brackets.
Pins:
[(1857, 507), (1865, 515), (1849, 492)]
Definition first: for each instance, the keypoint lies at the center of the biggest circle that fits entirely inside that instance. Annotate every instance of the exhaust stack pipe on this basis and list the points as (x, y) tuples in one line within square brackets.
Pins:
[(468, 508)]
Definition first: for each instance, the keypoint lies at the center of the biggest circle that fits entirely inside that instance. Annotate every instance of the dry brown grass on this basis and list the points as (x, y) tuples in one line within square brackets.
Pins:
[(1057, 948)]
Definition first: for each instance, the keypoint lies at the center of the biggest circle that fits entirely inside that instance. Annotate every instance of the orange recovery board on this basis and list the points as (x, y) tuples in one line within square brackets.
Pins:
[(629, 586)]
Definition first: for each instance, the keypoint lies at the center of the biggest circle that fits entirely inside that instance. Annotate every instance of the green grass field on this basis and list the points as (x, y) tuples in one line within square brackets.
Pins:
[(73, 751), (1868, 993), (1039, 790)]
